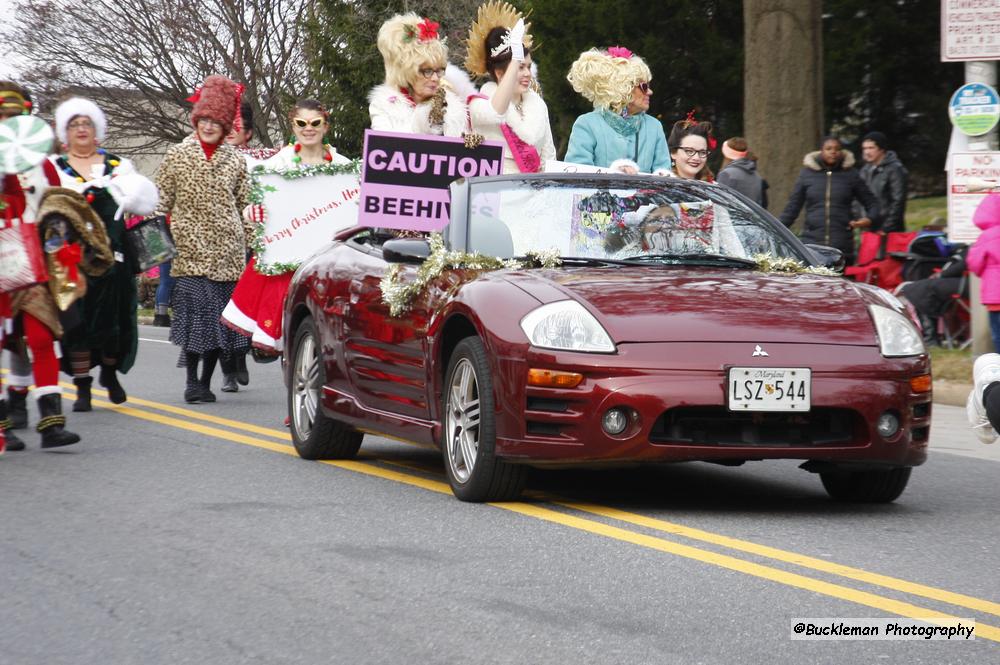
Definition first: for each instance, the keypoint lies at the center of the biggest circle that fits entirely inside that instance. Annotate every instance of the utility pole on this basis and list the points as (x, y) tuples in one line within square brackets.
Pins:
[(982, 340)]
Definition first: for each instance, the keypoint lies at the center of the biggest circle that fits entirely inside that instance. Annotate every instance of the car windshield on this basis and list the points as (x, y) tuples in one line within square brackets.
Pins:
[(662, 221)]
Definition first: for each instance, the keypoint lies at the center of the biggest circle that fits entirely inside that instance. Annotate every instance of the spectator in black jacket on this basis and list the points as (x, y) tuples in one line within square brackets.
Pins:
[(886, 176), (826, 187)]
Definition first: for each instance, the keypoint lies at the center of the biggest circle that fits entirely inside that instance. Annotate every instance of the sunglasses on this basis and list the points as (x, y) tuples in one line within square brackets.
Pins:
[(643, 87), (315, 122)]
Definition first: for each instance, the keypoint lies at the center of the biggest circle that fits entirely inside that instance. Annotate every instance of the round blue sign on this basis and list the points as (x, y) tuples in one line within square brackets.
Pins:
[(974, 109)]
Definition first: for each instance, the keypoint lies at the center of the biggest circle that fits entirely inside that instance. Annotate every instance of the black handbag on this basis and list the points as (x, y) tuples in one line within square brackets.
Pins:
[(149, 244)]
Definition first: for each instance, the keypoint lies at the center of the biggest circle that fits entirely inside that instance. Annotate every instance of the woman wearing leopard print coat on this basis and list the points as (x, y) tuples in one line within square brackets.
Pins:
[(204, 187)]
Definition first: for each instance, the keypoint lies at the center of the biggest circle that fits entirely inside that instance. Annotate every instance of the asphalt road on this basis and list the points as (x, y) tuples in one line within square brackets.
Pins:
[(182, 533)]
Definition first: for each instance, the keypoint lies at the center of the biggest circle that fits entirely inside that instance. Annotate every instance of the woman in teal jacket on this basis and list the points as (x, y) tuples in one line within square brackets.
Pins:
[(617, 134)]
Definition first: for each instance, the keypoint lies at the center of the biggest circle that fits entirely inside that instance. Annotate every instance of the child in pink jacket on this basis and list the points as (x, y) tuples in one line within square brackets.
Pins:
[(983, 405), (984, 260)]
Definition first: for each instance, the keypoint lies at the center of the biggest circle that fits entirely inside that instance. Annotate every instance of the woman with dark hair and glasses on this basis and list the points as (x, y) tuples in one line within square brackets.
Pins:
[(507, 109), (255, 310), (413, 100), (618, 133), (691, 142)]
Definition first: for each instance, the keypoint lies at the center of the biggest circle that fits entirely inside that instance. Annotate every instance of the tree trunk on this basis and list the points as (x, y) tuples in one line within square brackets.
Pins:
[(783, 88)]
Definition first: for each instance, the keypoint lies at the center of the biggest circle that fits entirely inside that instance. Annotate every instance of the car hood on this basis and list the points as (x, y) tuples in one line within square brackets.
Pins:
[(684, 305)]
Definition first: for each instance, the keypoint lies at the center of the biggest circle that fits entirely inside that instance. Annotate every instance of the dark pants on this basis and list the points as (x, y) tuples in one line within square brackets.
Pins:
[(166, 285)]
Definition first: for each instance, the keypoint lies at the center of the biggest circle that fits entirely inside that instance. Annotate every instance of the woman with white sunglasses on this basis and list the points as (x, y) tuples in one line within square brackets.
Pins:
[(255, 309)]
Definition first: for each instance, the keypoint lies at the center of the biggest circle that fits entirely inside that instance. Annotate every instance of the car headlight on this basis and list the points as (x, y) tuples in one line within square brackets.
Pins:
[(568, 326), (897, 335)]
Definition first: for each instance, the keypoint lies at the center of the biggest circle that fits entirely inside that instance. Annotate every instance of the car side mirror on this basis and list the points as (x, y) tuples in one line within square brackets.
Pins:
[(406, 250), (828, 257)]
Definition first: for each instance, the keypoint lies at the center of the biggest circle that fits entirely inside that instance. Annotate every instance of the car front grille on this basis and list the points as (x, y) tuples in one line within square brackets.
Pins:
[(717, 426)]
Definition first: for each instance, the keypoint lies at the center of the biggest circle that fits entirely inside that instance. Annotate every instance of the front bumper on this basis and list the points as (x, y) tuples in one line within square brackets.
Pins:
[(676, 395)]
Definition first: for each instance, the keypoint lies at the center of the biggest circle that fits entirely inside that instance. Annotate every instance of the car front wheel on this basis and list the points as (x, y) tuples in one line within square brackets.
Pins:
[(474, 472), (878, 486), (314, 434)]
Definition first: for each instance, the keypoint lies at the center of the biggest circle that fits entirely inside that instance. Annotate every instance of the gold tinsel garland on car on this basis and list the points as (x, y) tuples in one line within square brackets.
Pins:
[(399, 295), (769, 263)]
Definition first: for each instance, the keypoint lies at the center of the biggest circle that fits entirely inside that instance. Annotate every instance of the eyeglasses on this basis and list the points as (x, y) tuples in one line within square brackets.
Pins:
[(691, 152), (643, 87), (429, 72), (208, 122), (81, 124), (315, 122)]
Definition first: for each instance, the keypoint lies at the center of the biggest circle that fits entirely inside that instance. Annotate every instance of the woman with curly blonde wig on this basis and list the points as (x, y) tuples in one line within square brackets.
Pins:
[(618, 133), (414, 98)]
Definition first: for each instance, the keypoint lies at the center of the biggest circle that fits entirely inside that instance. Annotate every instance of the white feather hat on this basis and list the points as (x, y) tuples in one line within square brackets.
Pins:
[(75, 106)]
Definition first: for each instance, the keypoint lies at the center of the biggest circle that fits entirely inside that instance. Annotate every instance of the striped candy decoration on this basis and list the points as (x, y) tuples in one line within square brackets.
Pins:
[(25, 141)]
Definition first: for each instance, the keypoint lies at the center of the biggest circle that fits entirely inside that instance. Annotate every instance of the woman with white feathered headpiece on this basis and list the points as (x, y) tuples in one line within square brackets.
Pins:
[(108, 334), (507, 109), (415, 99)]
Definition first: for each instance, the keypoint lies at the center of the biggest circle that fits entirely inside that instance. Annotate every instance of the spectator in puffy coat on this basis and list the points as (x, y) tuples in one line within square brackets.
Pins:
[(886, 176), (739, 171), (984, 260), (827, 185)]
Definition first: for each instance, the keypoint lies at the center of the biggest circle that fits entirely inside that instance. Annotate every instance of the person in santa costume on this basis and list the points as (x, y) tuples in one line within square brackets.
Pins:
[(414, 98), (255, 310), (507, 109), (108, 334), (204, 187)]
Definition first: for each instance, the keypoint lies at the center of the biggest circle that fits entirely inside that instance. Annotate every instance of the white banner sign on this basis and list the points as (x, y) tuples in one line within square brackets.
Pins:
[(970, 30), (971, 176), (303, 214)]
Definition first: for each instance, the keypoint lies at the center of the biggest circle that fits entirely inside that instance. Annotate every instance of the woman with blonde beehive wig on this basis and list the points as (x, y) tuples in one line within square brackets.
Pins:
[(618, 133), (414, 98)]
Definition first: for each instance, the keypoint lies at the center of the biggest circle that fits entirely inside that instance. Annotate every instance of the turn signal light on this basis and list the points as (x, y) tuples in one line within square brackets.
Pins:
[(548, 378), (921, 384)]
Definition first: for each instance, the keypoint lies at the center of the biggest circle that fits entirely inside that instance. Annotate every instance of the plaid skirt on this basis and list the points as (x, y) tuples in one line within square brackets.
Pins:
[(195, 325)]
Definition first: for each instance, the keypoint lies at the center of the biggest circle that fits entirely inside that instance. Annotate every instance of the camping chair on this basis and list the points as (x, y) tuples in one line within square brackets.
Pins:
[(877, 261), (954, 324)]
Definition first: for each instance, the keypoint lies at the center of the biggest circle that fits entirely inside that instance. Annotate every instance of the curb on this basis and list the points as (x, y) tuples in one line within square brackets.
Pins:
[(951, 392)]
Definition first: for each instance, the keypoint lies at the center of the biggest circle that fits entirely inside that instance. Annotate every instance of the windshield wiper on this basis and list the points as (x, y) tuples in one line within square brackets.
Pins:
[(702, 259)]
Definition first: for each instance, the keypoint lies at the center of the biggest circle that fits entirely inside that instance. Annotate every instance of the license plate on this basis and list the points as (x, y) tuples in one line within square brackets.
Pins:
[(769, 388)]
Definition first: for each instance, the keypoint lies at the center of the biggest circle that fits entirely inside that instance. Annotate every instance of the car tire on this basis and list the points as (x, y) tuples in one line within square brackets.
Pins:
[(880, 486), (469, 430), (314, 434)]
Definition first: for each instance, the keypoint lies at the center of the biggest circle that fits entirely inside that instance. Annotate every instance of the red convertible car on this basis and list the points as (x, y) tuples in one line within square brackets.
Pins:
[(638, 320)]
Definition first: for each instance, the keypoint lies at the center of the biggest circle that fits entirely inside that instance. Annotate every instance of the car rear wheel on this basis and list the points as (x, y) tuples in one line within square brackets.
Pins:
[(880, 486), (315, 435), (474, 472)]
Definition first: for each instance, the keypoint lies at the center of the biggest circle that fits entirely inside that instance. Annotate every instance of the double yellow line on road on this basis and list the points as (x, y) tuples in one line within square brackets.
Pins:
[(279, 441)]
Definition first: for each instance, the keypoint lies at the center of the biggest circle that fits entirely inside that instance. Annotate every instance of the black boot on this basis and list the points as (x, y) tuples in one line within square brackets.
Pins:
[(109, 379), (13, 442), (242, 375), (53, 422), (82, 384), (228, 364), (194, 391), (18, 412)]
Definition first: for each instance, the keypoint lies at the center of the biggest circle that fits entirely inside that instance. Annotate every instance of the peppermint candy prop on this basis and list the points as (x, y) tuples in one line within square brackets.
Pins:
[(25, 142)]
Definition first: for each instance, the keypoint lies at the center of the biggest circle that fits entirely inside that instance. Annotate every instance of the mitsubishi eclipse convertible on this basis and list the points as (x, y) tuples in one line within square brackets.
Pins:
[(639, 320)]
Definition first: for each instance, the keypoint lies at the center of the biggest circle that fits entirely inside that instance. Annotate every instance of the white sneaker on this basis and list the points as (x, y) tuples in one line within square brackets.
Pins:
[(985, 371)]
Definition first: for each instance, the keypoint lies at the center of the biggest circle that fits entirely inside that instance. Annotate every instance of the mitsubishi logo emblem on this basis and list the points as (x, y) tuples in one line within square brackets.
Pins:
[(759, 352)]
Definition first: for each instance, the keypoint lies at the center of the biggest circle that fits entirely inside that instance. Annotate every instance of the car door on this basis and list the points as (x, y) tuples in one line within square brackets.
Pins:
[(384, 355)]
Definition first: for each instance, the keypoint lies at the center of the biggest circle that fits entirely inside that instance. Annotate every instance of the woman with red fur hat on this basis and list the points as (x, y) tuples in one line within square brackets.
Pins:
[(204, 187)]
